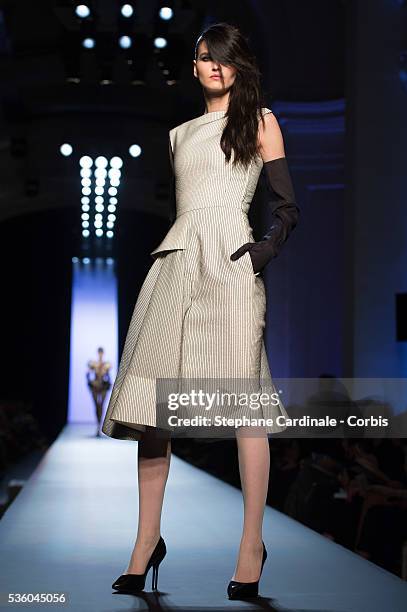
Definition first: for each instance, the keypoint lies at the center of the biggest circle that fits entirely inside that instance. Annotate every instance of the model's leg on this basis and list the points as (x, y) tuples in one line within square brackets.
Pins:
[(154, 455), (99, 408), (254, 467), (95, 396), (103, 396)]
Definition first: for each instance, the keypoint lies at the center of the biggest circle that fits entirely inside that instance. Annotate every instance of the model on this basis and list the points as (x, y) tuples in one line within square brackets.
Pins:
[(200, 313), (100, 384)]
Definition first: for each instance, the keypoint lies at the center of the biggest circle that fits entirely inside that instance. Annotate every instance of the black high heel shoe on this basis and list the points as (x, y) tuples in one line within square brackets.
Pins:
[(243, 590), (134, 583)]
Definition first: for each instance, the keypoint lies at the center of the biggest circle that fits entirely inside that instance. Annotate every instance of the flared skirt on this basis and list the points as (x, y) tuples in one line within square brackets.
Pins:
[(198, 322)]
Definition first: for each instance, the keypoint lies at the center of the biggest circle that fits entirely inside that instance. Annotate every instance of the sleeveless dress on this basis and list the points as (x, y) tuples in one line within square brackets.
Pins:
[(198, 313)]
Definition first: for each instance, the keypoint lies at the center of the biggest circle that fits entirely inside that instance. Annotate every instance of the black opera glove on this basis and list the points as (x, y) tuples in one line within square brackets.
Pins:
[(285, 216)]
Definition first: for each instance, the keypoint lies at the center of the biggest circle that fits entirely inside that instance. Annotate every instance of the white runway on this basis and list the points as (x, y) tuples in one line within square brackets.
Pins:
[(72, 528)]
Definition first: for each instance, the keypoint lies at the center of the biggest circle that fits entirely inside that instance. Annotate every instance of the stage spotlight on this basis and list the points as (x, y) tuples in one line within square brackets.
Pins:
[(115, 182), (127, 10), (75, 259), (88, 43), (99, 200), (166, 13), (100, 182), (135, 150), (111, 217), (114, 173), (85, 223), (110, 261), (86, 172), (112, 191), (110, 225), (125, 42), (101, 162), (116, 162), (99, 190), (86, 182), (85, 234), (99, 207), (100, 172), (86, 161), (66, 149), (85, 200), (160, 42), (111, 208), (86, 191), (113, 201), (82, 11), (99, 232), (85, 207), (109, 234), (85, 216)]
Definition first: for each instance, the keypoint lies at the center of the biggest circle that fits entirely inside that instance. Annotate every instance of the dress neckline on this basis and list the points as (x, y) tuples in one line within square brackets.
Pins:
[(217, 111), (211, 116)]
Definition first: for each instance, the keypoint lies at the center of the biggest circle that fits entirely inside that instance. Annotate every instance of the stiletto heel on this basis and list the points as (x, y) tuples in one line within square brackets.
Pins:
[(134, 583), (154, 579), (245, 590)]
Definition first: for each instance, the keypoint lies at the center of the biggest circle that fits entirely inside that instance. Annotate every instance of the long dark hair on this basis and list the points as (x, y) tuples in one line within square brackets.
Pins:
[(228, 46)]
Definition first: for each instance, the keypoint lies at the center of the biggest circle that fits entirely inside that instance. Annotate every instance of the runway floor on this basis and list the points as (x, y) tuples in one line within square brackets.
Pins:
[(72, 528)]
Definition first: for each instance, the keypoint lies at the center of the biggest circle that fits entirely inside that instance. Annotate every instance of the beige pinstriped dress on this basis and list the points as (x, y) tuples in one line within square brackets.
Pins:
[(198, 314)]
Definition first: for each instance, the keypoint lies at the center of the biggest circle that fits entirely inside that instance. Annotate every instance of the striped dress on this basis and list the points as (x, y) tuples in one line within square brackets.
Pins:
[(199, 316)]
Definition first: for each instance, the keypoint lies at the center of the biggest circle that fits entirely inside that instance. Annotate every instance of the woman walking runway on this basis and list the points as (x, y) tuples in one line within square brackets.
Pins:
[(200, 313)]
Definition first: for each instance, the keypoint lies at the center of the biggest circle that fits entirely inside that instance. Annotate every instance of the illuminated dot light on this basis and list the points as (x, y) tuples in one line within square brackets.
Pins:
[(100, 172), (166, 13), (86, 161), (116, 162), (135, 150), (82, 11), (160, 42), (127, 10), (66, 149), (101, 162), (88, 43), (125, 42)]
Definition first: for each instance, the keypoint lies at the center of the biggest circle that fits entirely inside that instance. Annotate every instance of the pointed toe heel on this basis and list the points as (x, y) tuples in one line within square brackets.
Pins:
[(134, 583), (246, 590)]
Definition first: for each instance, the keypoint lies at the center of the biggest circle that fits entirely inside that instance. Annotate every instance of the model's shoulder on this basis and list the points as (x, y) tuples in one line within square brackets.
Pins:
[(266, 111)]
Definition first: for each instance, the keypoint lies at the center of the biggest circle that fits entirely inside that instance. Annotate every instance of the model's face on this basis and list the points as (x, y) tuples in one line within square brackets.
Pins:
[(206, 69)]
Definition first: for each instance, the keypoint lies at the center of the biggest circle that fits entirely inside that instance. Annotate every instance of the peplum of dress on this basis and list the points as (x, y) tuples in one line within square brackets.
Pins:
[(198, 315)]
